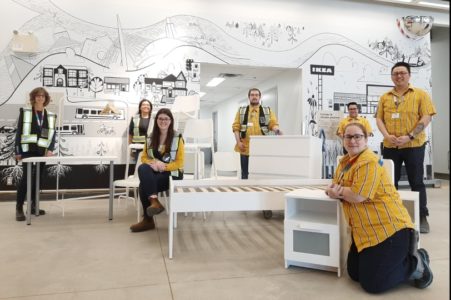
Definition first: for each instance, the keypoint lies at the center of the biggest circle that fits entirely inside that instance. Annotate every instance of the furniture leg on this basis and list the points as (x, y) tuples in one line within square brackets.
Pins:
[(38, 170), (28, 193), (111, 190)]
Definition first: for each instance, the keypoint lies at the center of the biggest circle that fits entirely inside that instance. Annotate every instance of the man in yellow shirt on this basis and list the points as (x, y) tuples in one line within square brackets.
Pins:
[(253, 119), (353, 116), (402, 115)]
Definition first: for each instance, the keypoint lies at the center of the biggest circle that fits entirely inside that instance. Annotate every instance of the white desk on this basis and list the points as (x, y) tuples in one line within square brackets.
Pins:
[(63, 159)]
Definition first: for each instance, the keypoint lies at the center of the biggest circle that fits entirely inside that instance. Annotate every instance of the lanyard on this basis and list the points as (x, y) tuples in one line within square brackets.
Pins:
[(40, 120), (395, 98), (348, 166)]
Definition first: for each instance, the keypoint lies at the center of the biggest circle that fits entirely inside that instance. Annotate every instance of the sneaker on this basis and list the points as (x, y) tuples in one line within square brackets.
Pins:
[(424, 225), (427, 277), (20, 216)]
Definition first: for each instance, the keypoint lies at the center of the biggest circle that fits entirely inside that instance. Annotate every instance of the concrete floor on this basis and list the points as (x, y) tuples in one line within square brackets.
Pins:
[(240, 256)]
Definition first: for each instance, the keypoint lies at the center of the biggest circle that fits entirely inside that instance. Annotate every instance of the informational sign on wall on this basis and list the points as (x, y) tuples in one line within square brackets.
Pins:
[(328, 121)]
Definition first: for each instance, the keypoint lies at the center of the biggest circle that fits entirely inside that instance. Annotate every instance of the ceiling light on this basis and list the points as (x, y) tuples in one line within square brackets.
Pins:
[(215, 81), (434, 4), (405, 1)]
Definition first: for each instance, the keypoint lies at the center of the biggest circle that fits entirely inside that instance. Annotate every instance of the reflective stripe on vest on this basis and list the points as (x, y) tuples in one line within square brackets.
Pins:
[(263, 118), (173, 151), (28, 138), (136, 137)]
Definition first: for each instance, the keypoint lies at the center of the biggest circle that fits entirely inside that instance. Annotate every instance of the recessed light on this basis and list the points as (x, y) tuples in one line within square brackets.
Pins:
[(434, 4), (215, 81)]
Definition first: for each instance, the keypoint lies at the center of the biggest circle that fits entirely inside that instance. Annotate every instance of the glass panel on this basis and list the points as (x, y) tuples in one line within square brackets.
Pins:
[(311, 242)]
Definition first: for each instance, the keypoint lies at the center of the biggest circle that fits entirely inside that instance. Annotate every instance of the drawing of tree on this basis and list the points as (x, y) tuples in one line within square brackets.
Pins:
[(15, 172), (96, 85), (7, 143)]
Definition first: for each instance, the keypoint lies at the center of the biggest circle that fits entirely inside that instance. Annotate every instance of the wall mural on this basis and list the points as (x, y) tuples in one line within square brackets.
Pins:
[(102, 73)]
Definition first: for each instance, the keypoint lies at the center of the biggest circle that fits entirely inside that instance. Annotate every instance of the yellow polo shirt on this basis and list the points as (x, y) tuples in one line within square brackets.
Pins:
[(382, 214), (255, 129), (347, 120), (401, 113)]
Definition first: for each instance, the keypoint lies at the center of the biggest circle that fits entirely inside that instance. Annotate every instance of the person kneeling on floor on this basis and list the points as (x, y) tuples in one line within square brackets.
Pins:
[(383, 252)]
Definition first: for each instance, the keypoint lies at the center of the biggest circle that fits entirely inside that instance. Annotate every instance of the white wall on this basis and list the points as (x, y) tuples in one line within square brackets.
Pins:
[(289, 108), (440, 96)]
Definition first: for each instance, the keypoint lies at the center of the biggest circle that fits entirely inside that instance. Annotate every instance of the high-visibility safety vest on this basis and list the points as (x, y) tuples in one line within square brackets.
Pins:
[(137, 138), (263, 118), (28, 138), (172, 152)]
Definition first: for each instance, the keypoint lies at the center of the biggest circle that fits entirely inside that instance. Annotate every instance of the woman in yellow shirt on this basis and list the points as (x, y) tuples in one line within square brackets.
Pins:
[(163, 156), (383, 252)]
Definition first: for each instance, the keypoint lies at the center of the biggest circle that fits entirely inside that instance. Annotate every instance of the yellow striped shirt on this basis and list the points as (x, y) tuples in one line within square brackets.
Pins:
[(347, 120), (382, 214), (401, 119), (253, 118)]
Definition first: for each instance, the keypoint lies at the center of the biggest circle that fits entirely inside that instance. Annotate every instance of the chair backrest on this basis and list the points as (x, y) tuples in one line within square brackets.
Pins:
[(198, 129), (389, 166), (185, 108), (226, 162), (138, 163), (129, 152)]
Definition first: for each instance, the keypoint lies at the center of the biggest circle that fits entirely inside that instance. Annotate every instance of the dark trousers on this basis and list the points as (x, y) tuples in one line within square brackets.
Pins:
[(384, 266), (244, 160), (151, 183), (413, 159), (22, 184)]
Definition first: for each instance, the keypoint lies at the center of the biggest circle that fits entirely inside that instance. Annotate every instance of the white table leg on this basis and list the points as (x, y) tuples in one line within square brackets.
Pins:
[(38, 170), (28, 166), (111, 190), (171, 233)]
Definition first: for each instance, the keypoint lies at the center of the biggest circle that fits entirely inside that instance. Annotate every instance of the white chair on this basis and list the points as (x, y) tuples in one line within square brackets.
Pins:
[(225, 163), (185, 108), (130, 182), (198, 133)]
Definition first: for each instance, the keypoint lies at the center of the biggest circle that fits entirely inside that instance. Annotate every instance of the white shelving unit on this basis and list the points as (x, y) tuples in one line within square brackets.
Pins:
[(314, 233)]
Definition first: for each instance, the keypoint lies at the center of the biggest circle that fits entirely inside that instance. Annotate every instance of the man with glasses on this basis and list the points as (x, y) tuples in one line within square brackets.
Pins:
[(353, 117), (402, 115)]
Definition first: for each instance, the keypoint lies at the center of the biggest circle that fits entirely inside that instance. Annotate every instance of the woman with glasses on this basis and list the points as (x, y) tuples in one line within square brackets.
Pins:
[(140, 125), (163, 156), (383, 252), (35, 136)]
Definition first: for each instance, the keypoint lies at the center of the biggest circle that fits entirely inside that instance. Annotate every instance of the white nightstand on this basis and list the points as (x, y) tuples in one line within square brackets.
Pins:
[(314, 232)]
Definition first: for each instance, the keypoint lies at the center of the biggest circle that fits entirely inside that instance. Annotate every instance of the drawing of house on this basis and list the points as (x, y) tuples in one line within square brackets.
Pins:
[(72, 76), (114, 84), (169, 87)]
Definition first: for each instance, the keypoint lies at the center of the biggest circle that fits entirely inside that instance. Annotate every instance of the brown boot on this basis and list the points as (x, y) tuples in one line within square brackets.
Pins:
[(145, 224), (155, 207)]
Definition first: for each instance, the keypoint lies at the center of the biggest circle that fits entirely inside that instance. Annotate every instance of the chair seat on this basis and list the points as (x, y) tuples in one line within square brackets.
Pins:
[(130, 182)]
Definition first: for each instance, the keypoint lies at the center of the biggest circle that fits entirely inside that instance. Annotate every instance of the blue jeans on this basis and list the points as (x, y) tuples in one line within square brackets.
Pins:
[(244, 160), (151, 183)]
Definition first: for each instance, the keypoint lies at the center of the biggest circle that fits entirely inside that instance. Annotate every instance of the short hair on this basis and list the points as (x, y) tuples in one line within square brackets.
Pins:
[(35, 92), (352, 103), (254, 89), (365, 133), (401, 64)]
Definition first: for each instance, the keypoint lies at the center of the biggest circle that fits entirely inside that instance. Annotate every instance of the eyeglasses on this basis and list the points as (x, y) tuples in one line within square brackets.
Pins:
[(394, 74), (356, 137), (164, 119)]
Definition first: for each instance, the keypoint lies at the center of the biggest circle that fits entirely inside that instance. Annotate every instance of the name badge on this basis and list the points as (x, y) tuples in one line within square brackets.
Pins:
[(44, 133), (250, 124), (395, 115)]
